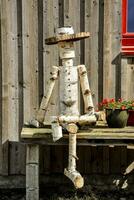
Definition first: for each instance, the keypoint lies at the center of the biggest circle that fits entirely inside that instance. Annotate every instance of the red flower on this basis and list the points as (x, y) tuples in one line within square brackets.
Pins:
[(120, 100), (112, 100), (105, 101), (123, 107)]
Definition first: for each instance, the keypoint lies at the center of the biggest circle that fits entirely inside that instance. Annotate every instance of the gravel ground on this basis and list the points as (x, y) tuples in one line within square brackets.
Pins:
[(62, 194)]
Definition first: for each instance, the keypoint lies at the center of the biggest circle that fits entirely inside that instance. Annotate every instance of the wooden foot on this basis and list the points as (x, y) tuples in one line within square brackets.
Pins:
[(75, 177)]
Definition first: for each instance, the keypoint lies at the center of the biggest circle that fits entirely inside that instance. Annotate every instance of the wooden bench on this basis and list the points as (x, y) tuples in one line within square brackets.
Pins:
[(99, 135)]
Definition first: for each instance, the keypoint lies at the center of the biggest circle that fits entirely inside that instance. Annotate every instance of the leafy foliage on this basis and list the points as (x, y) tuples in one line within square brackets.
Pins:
[(119, 104)]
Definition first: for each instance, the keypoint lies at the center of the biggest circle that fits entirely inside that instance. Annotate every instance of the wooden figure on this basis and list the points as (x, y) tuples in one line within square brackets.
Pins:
[(69, 117)]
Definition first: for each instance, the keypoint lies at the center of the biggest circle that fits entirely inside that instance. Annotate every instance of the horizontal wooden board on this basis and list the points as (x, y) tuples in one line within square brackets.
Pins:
[(92, 133)]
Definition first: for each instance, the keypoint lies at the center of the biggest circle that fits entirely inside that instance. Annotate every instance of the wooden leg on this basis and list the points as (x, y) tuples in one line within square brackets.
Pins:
[(32, 172)]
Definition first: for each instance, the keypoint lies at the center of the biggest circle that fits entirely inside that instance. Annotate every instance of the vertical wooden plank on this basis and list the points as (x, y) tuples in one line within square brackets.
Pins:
[(57, 156), (116, 46), (115, 160), (106, 160), (50, 53), (124, 78), (9, 36), (50, 58), (81, 159), (111, 57), (13, 98), (127, 79), (91, 45), (4, 86), (0, 96), (123, 154), (100, 159), (65, 156), (5, 158), (97, 159), (17, 158), (94, 163), (45, 159), (69, 8), (32, 172), (100, 50), (87, 161), (40, 47), (108, 72), (30, 57), (20, 63), (5, 56)]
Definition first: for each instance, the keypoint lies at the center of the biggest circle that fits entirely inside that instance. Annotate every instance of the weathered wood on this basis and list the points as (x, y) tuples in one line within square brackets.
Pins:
[(69, 8), (115, 160), (30, 58), (44, 22), (115, 9), (68, 90), (72, 128), (127, 72), (70, 171), (108, 71), (129, 169), (123, 158), (87, 158), (66, 37), (91, 133), (5, 158), (32, 172), (46, 98), (56, 155), (16, 150), (50, 53), (106, 159), (81, 120), (56, 131), (94, 157), (86, 92), (0, 97), (45, 155), (9, 36), (91, 48)]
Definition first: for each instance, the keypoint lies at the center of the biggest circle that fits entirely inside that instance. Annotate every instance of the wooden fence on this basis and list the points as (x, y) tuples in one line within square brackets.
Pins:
[(25, 67)]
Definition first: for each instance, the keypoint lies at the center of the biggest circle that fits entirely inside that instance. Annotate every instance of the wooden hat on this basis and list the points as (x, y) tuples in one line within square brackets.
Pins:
[(66, 34)]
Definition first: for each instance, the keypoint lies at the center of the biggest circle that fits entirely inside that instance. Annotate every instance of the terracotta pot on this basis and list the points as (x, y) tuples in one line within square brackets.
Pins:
[(116, 118), (130, 121)]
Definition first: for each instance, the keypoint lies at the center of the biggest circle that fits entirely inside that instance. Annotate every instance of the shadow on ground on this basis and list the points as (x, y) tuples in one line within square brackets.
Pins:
[(64, 193)]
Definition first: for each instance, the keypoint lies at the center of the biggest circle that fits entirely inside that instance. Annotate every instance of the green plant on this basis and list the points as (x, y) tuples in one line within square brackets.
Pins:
[(119, 104)]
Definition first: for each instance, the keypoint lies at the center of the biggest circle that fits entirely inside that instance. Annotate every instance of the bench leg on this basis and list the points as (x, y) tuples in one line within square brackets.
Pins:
[(32, 172)]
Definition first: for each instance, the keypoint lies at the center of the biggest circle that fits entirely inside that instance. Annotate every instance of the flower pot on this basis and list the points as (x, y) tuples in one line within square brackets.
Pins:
[(116, 118), (130, 121)]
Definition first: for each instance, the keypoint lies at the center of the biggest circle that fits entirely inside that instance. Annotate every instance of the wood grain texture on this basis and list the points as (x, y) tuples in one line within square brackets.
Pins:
[(30, 58), (108, 72), (0, 97), (65, 37), (50, 53), (32, 172), (5, 158), (91, 133), (17, 162), (27, 61), (127, 77), (9, 36), (91, 45)]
